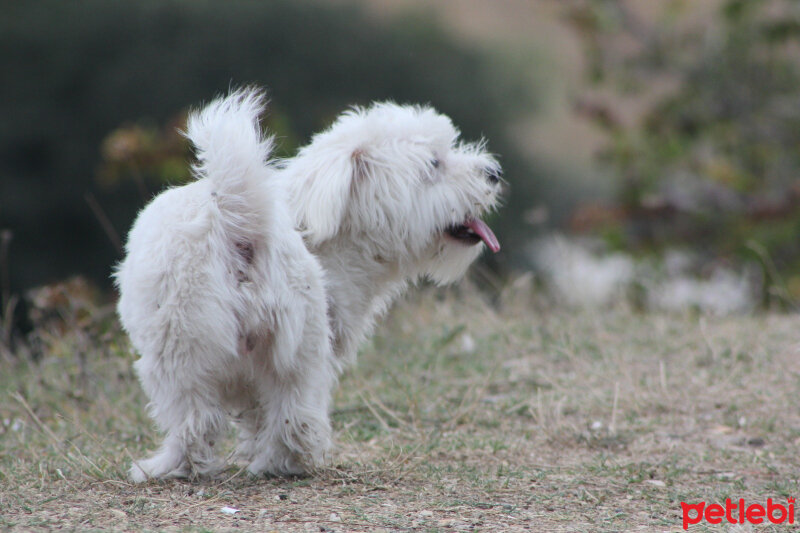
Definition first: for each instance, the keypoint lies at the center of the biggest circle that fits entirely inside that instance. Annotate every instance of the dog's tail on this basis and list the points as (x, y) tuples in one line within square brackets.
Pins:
[(233, 153)]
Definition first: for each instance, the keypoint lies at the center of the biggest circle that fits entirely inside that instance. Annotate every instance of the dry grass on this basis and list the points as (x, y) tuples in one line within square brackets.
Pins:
[(461, 415)]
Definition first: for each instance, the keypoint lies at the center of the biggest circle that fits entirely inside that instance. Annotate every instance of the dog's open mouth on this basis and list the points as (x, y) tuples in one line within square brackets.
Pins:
[(473, 231)]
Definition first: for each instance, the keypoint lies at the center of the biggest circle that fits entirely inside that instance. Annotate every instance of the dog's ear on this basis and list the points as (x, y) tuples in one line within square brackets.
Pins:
[(327, 189)]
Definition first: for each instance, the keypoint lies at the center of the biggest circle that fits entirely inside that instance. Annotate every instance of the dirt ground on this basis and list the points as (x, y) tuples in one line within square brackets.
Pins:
[(462, 414)]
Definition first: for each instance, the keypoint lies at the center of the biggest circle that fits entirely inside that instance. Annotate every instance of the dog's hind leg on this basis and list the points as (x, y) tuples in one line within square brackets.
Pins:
[(192, 418), (188, 447), (294, 433), (168, 461)]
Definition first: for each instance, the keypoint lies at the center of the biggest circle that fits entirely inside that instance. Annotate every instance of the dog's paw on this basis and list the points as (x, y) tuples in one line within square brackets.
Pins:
[(157, 468), (136, 474), (276, 464)]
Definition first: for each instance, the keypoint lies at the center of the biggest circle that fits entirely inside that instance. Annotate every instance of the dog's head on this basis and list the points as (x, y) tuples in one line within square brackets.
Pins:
[(397, 182)]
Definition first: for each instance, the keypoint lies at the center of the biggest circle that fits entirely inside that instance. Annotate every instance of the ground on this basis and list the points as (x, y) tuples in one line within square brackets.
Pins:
[(465, 412)]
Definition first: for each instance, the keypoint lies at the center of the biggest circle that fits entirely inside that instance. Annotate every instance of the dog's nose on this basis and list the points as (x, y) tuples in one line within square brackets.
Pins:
[(494, 175)]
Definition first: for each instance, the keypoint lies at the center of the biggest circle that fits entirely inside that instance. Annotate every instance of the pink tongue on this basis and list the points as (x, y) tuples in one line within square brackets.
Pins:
[(482, 230)]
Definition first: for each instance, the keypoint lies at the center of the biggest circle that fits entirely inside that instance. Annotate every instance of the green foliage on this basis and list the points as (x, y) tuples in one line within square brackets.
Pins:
[(718, 155), (78, 73)]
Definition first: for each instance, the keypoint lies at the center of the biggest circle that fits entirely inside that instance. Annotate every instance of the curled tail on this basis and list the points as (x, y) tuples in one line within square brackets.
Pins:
[(232, 153)]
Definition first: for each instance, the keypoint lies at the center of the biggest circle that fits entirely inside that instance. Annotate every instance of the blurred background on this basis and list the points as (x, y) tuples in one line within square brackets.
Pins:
[(652, 149)]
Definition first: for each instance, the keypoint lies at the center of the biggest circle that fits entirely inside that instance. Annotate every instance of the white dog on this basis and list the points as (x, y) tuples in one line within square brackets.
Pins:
[(229, 309), (385, 196)]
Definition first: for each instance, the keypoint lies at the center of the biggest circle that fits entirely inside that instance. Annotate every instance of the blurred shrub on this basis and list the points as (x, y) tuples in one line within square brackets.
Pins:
[(92, 77), (715, 162)]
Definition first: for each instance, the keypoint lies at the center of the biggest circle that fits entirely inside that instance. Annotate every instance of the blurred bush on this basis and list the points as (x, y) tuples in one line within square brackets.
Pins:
[(93, 79), (714, 164)]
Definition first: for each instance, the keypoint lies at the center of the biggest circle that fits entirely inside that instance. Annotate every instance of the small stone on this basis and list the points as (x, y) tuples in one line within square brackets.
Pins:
[(229, 510), (467, 343)]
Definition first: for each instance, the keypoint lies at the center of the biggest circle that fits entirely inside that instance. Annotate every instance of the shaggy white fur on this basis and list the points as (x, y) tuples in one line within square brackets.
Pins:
[(388, 194), (225, 300), (227, 309)]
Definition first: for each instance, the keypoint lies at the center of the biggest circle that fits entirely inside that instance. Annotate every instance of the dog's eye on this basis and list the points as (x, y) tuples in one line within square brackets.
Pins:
[(435, 163)]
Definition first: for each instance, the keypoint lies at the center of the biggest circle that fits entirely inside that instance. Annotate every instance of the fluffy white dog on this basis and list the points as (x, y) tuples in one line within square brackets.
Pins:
[(227, 309), (385, 196), (226, 303)]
